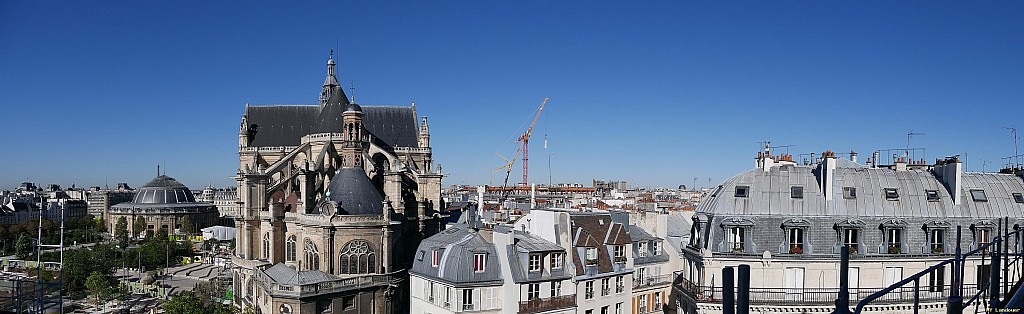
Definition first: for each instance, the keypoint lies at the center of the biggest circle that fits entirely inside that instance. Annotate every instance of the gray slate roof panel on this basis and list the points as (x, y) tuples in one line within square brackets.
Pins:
[(285, 125)]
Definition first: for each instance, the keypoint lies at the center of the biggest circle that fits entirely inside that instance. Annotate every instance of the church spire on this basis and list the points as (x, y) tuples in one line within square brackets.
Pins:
[(331, 85)]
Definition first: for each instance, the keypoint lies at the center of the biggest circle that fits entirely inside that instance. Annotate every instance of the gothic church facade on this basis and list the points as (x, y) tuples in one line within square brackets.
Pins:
[(334, 199)]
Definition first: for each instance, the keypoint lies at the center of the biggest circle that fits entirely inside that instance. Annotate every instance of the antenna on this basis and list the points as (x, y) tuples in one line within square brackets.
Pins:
[(909, 136)]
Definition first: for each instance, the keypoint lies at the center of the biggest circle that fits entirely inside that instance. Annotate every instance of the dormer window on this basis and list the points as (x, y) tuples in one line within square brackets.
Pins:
[(736, 237), (979, 196), (848, 232), (479, 262), (1017, 197), (742, 191), (894, 240), (849, 193), (796, 192), (620, 253), (891, 194), (641, 249), (933, 195), (657, 248), (557, 260), (591, 256), (796, 241), (936, 239), (534, 262), (796, 230)]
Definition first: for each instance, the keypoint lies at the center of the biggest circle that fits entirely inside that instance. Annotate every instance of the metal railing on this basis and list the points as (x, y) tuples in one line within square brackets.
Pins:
[(649, 281), (800, 296), (1004, 256), (547, 304)]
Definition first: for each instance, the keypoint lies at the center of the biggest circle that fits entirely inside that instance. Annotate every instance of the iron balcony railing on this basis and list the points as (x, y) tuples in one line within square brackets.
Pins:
[(1003, 269), (809, 296), (650, 281), (547, 304)]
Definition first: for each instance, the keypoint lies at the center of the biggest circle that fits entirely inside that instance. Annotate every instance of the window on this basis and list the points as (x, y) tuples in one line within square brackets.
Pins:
[(851, 239), (312, 256), (849, 192), (619, 287), (742, 191), (534, 262), (657, 248), (620, 253), (604, 310), (1017, 197), (556, 288), (936, 239), (557, 260), (533, 291), (643, 305), (266, 245), (289, 249), (479, 259), (796, 241), (979, 196), (467, 299), (588, 289), (933, 195), (892, 194), (605, 288), (642, 249), (435, 258), (894, 240), (591, 256), (348, 303), (937, 279), (357, 257), (618, 308), (981, 237), (983, 276), (796, 192), (736, 239)]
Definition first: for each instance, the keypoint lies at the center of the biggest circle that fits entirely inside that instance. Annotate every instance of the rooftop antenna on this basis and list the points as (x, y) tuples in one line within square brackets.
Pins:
[(1016, 153), (158, 170), (909, 136)]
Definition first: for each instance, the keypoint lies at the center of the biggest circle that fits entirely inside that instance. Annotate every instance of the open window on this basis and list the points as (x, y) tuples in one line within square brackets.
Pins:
[(932, 195), (848, 234), (742, 191), (736, 239), (936, 232), (891, 194), (979, 195), (796, 236)]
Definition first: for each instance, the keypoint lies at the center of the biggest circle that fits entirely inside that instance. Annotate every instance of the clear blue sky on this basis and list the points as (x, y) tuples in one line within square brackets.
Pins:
[(651, 93)]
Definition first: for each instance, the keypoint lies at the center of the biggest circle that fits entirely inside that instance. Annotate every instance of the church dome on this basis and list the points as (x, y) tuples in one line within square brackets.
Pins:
[(355, 194), (164, 190), (353, 107)]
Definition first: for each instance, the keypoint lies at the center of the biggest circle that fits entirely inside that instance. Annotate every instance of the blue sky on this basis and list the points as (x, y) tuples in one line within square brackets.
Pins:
[(655, 93)]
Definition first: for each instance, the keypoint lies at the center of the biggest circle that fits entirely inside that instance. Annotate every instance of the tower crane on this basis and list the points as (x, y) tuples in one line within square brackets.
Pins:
[(525, 139)]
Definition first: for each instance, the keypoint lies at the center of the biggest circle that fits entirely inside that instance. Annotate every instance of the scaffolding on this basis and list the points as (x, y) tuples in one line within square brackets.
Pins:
[(21, 292)]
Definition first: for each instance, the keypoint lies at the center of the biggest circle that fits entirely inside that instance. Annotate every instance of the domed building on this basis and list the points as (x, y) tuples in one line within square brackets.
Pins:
[(790, 221), (334, 199), (163, 203)]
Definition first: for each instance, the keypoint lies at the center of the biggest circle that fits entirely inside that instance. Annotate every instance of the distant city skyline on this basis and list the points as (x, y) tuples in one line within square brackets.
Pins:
[(655, 94)]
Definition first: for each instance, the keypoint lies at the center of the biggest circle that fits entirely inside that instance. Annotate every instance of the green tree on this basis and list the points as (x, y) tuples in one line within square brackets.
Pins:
[(186, 225), (121, 231), (186, 302), (100, 286), (140, 224), (23, 246)]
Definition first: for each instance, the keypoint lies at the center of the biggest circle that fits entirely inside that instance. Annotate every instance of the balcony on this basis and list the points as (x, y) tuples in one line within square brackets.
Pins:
[(815, 296), (651, 281), (547, 304)]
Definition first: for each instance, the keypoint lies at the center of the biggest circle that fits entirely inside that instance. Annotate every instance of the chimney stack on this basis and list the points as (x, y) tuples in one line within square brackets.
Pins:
[(827, 170), (853, 156)]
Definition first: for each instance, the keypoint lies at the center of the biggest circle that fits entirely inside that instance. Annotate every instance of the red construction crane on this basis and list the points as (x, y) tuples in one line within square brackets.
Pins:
[(525, 139)]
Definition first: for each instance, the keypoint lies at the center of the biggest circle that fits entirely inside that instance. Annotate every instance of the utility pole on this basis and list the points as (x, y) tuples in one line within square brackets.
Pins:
[(549, 162), (909, 136)]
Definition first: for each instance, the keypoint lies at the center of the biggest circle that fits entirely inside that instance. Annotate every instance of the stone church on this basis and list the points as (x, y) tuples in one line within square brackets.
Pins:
[(334, 199)]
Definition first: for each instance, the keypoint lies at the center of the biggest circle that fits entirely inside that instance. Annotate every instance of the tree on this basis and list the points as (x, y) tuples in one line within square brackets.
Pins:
[(100, 286), (186, 224), (121, 231), (23, 246), (186, 302), (140, 224)]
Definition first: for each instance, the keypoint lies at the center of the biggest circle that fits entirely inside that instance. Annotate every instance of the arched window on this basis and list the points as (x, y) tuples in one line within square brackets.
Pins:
[(266, 245), (356, 257), (312, 256), (289, 249)]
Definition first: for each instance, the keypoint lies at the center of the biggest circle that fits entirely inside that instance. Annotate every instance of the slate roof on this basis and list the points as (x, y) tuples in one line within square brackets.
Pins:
[(769, 194), (457, 246), (678, 226), (285, 125), (595, 230), (639, 234), (530, 243), (355, 194), (284, 275)]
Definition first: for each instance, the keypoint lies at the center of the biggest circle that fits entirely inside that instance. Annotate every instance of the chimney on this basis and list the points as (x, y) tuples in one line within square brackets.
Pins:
[(874, 159), (951, 171), (533, 196), (827, 171), (853, 156)]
